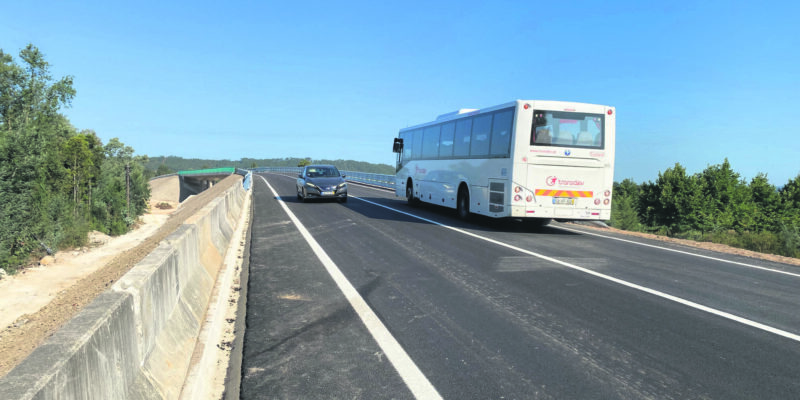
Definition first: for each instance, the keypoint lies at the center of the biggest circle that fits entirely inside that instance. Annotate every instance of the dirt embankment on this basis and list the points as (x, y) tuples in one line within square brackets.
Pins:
[(20, 338)]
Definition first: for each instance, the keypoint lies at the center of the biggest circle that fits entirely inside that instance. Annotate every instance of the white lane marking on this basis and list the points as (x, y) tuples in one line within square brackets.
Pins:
[(681, 252), (402, 362), (631, 285)]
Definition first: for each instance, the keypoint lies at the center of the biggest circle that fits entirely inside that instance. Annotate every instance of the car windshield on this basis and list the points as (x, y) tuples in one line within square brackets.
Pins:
[(322, 172)]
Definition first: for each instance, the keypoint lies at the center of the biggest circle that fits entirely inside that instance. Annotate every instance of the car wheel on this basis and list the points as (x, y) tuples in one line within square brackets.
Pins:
[(462, 206), (304, 199)]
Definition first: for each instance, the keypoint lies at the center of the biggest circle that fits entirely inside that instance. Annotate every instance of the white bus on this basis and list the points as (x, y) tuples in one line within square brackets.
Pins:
[(523, 159)]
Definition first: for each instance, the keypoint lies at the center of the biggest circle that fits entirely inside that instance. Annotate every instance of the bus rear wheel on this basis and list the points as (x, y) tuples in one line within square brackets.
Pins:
[(462, 206)]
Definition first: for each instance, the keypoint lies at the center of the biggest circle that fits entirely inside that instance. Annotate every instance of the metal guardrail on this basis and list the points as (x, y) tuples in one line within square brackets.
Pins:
[(381, 180), (293, 170), (386, 181)]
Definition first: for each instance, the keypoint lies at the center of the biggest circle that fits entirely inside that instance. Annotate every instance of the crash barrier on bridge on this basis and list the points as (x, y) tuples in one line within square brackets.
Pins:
[(248, 178), (135, 341), (209, 171), (386, 181), (381, 180)]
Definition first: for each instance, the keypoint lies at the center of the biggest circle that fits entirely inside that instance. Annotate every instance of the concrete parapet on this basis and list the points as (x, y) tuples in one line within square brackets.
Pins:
[(135, 341)]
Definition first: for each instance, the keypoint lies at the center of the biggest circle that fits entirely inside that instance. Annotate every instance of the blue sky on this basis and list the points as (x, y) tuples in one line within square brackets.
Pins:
[(692, 83)]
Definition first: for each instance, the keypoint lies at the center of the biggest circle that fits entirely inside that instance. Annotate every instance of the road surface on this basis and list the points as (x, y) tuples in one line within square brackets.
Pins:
[(500, 309)]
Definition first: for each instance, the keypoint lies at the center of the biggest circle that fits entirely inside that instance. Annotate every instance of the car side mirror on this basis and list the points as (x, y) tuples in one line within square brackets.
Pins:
[(300, 176), (344, 176)]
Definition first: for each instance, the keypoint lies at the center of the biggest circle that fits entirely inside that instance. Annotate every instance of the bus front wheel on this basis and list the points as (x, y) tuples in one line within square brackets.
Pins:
[(410, 193), (462, 207)]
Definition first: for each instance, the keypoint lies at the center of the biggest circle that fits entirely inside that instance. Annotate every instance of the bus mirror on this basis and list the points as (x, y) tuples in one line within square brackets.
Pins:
[(398, 145)]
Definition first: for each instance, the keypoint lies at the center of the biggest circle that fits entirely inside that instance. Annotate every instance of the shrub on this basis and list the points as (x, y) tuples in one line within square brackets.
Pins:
[(789, 238)]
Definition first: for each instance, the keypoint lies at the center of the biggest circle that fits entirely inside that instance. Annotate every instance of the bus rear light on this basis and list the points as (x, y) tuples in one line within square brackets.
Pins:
[(517, 189), (606, 202), (526, 106), (517, 198), (610, 112), (597, 202), (607, 193), (529, 198)]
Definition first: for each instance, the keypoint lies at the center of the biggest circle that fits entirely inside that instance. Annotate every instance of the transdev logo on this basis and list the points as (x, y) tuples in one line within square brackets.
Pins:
[(551, 181)]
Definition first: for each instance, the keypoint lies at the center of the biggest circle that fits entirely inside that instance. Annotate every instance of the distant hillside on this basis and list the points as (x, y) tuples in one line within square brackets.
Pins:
[(167, 164)]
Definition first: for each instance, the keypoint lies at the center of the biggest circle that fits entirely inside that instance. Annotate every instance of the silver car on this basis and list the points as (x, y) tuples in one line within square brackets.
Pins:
[(321, 182)]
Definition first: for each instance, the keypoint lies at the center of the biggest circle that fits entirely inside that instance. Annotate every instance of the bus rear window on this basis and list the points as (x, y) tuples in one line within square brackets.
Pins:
[(568, 129)]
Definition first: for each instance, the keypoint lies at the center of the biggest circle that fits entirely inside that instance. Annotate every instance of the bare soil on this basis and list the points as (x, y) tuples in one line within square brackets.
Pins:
[(36, 302)]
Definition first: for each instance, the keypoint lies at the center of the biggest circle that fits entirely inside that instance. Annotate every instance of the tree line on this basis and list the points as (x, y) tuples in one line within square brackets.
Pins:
[(57, 183), (714, 205), (163, 165)]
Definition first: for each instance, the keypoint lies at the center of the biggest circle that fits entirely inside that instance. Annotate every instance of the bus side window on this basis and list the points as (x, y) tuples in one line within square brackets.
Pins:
[(501, 133), (461, 142), (430, 142), (481, 129), (446, 140), (416, 152)]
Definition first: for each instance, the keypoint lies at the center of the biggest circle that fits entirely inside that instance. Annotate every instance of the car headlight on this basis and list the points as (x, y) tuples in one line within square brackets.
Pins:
[(341, 186), (311, 185)]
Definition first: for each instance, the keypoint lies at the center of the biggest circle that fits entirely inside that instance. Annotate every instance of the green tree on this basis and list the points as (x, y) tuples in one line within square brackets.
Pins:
[(33, 208), (679, 206), (80, 166), (114, 211), (28, 91), (790, 202), (304, 162), (164, 170), (728, 199), (766, 200), (624, 213)]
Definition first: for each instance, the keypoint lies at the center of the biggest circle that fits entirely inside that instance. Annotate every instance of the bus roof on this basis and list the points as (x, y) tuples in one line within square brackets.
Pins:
[(463, 112)]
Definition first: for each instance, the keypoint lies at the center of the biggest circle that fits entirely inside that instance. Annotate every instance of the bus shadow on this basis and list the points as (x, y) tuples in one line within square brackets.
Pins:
[(447, 216)]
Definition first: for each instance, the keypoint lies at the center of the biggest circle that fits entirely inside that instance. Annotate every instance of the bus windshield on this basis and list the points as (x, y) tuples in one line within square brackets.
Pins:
[(567, 129)]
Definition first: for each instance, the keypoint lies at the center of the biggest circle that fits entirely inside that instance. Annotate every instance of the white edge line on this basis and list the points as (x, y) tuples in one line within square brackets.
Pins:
[(631, 285), (680, 251), (402, 362)]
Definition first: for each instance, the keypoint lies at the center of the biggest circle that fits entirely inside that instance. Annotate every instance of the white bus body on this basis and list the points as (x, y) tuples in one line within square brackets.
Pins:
[(523, 159)]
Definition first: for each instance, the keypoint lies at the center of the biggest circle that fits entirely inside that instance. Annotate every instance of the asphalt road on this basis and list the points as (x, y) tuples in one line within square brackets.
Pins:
[(503, 310)]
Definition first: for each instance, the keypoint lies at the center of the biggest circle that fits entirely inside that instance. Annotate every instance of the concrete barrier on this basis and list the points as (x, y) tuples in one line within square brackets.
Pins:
[(135, 341)]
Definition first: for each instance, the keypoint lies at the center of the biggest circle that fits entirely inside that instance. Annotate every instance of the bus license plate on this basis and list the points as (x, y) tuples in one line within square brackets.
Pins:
[(327, 193), (563, 201)]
